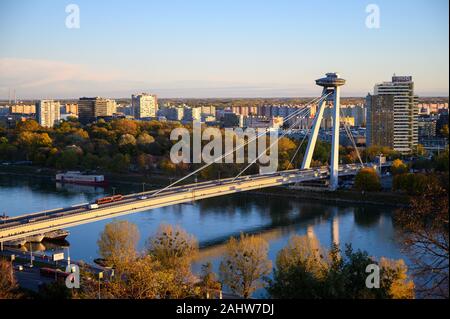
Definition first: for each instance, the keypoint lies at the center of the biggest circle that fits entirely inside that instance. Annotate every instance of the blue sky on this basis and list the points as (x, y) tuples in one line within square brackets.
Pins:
[(219, 48)]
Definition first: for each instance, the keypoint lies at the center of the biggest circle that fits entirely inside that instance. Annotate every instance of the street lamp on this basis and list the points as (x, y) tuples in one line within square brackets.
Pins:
[(100, 276)]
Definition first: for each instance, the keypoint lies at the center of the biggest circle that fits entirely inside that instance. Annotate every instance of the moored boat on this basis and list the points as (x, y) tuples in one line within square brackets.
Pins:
[(35, 238), (56, 235), (76, 177)]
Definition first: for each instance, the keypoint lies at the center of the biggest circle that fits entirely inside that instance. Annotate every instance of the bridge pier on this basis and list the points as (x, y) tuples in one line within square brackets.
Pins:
[(331, 91)]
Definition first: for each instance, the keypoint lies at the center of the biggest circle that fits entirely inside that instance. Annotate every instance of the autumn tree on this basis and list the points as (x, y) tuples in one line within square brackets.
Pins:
[(8, 283), (244, 264), (398, 167), (173, 247), (424, 229), (208, 280), (117, 242), (367, 179), (306, 270)]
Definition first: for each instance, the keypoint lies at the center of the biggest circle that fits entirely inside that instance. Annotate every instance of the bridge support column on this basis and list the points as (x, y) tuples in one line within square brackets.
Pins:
[(331, 88), (315, 131), (335, 140)]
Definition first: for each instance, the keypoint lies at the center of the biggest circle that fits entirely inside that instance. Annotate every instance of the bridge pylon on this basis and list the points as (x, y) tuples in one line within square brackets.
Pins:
[(331, 92)]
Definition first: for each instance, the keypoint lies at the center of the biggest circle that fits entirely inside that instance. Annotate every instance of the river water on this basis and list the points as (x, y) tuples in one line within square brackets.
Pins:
[(212, 221)]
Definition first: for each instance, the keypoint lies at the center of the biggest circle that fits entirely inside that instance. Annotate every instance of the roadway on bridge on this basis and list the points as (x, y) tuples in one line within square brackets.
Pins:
[(41, 222)]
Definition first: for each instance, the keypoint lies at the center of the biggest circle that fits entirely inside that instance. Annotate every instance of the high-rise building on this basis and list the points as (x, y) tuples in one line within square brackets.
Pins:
[(144, 105), (48, 112), (392, 115), (89, 108)]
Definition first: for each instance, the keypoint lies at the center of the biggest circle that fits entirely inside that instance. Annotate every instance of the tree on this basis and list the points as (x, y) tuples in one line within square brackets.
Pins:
[(394, 277), (54, 291), (28, 125), (68, 159), (145, 139), (168, 167), (367, 179), (125, 126), (425, 233), (441, 161), (173, 247), (117, 242), (8, 284), (208, 279), (244, 264), (420, 150), (444, 130), (301, 265), (127, 139), (119, 163), (305, 270), (413, 183), (142, 278), (398, 167)]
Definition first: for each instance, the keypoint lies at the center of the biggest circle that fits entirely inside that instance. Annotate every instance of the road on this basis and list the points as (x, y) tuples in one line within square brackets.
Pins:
[(41, 222)]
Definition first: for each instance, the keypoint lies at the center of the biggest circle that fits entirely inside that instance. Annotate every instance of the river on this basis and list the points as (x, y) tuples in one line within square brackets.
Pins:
[(212, 221)]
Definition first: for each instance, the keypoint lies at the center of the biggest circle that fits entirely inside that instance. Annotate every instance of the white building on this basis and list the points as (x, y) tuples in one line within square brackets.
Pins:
[(392, 115), (144, 105), (48, 112)]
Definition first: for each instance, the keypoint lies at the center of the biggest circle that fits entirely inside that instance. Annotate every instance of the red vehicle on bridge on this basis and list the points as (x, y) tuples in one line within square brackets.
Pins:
[(109, 199)]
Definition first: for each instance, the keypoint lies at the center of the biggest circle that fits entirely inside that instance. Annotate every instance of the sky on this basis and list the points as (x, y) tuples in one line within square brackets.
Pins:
[(219, 48)]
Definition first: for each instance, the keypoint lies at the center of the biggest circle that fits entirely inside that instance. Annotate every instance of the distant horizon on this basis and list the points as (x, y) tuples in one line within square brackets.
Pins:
[(207, 98)]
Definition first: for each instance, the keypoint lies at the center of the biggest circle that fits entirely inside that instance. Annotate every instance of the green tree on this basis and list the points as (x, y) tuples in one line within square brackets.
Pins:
[(367, 179), (120, 163), (305, 270), (68, 159)]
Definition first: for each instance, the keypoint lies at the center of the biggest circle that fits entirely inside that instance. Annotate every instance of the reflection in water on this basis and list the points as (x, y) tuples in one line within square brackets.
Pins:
[(367, 216), (213, 220)]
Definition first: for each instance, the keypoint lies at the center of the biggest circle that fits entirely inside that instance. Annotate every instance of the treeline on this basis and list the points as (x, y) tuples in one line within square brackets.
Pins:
[(125, 145), (303, 269)]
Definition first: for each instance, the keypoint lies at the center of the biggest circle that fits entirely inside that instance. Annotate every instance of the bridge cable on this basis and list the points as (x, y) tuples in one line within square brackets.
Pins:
[(303, 140), (282, 135), (229, 153), (350, 136)]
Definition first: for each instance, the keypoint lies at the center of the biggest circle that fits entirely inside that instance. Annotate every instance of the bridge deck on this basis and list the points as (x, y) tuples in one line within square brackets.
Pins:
[(45, 221)]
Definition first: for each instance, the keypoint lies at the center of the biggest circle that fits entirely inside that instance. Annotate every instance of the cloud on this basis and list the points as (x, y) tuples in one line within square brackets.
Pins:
[(34, 74)]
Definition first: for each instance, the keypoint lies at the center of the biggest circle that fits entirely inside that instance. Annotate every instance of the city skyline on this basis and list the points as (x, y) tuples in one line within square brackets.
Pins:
[(218, 50)]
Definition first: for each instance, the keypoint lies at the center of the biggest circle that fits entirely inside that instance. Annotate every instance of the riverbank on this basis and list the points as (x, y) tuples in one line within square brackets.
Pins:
[(394, 199)]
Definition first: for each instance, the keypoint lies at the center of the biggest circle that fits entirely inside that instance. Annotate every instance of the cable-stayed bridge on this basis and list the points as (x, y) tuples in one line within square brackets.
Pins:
[(41, 222)]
